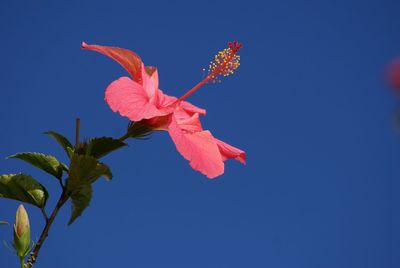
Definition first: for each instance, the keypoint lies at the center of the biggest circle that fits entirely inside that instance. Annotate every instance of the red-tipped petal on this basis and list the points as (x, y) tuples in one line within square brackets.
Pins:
[(129, 98), (153, 74), (126, 58), (150, 82), (229, 152), (199, 148)]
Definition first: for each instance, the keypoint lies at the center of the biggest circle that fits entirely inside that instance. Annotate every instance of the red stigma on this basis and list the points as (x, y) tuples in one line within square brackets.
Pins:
[(235, 46)]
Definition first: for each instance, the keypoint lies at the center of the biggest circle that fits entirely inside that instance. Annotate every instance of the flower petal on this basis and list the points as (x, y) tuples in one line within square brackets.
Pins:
[(128, 59), (199, 148), (228, 151), (190, 124), (153, 73), (130, 99), (165, 100), (191, 108), (150, 84)]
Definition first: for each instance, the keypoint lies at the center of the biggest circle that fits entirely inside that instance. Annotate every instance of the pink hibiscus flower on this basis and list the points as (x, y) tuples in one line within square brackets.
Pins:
[(139, 99)]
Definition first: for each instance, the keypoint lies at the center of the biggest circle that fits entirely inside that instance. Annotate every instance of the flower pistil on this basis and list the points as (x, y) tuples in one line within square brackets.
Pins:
[(225, 63)]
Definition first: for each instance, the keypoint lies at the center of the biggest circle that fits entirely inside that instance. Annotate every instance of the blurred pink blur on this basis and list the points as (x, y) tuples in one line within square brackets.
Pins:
[(393, 74)]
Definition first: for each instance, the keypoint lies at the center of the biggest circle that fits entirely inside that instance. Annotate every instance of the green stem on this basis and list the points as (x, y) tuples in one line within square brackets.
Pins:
[(124, 137), (46, 218), (22, 261), (35, 252)]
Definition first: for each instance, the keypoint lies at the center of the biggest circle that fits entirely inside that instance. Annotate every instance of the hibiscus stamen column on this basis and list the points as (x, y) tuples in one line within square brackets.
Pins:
[(225, 63)]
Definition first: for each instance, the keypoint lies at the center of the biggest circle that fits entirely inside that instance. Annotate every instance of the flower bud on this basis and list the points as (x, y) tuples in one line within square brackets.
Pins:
[(22, 232)]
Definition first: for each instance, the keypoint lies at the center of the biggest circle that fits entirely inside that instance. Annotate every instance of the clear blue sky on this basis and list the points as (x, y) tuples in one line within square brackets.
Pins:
[(308, 104)]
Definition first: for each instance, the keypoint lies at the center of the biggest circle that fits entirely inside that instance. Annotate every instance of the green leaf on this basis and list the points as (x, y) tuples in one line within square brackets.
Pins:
[(3, 222), (47, 163), (64, 167), (24, 188), (99, 147), (80, 200), (63, 141), (85, 169), (70, 152), (105, 171)]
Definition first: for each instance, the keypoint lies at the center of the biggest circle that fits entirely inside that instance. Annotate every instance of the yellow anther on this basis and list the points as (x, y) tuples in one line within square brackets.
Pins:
[(225, 63)]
